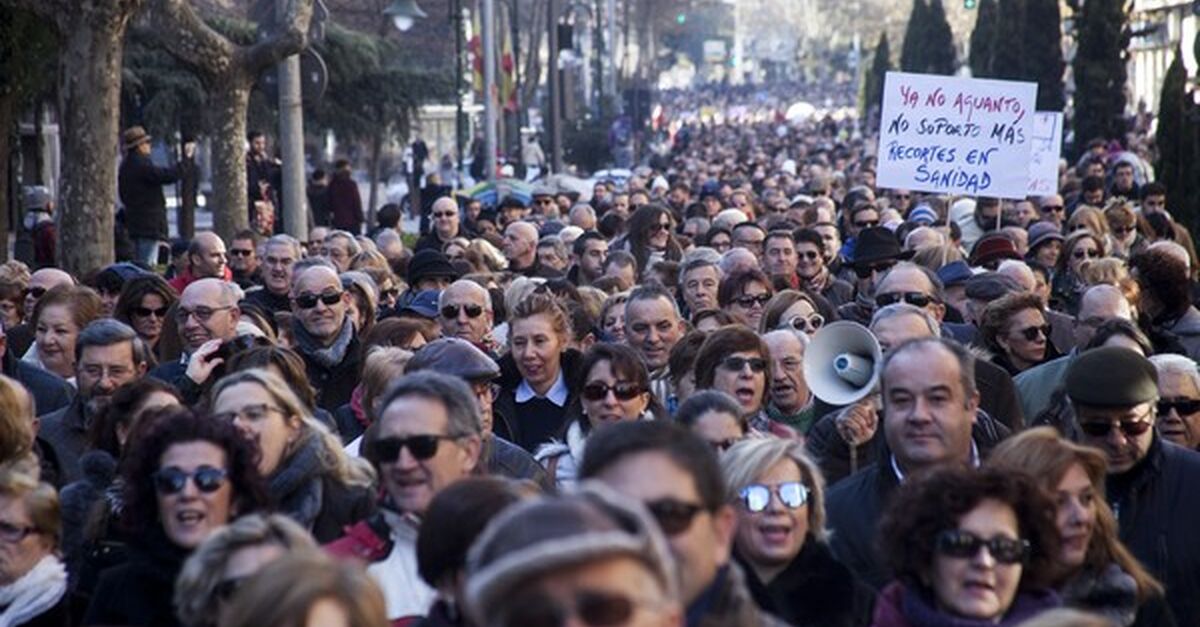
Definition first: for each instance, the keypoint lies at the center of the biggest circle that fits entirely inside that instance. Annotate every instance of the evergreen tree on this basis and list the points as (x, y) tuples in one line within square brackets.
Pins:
[(1008, 50), (1100, 74), (881, 64), (983, 40), (1178, 142), (912, 52), (940, 55), (1042, 45)]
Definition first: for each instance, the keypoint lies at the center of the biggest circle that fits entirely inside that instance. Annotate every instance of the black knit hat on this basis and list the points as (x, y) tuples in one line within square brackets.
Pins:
[(427, 264)]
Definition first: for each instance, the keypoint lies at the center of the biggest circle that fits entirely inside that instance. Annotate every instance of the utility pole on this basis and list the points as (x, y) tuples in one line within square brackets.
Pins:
[(489, 85), (610, 79), (291, 140), (554, 120)]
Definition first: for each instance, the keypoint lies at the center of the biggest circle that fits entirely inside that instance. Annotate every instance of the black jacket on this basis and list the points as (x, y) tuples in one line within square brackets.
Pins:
[(505, 459), (506, 424), (50, 392), (140, 183), (269, 302), (335, 385), (814, 590), (65, 431), (1158, 511), (140, 591)]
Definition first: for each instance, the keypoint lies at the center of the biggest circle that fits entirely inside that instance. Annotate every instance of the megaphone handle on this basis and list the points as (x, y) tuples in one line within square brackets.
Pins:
[(853, 459)]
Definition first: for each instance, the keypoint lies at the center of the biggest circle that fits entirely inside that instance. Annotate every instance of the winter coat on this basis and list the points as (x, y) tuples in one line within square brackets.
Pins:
[(77, 499), (345, 204), (899, 606), (309, 494), (140, 184), (506, 424), (1158, 514), (140, 591), (50, 392), (335, 385), (65, 431), (727, 603), (1112, 593), (814, 590), (505, 459)]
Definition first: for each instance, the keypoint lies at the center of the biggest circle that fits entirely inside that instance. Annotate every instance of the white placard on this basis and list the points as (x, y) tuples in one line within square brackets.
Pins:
[(1046, 145), (951, 135)]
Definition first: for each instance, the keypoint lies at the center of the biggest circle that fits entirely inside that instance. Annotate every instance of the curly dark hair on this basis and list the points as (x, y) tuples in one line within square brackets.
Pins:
[(179, 425), (733, 285), (999, 312), (1164, 277), (932, 503), (137, 288)]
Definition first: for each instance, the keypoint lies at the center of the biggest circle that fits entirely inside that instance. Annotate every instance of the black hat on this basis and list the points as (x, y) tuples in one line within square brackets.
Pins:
[(877, 244), (429, 263), (454, 356), (1111, 376)]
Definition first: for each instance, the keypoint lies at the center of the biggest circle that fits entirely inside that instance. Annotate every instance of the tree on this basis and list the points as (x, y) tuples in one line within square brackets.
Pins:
[(91, 38), (912, 52), (27, 51), (940, 56), (228, 71), (1008, 49), (1100, 74), (881, 64), (1042, 47), (1178, 142), (983, 40)]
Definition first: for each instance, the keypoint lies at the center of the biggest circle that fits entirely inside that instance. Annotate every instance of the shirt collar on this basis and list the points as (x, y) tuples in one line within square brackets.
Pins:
[(900, 473), (556, 395)]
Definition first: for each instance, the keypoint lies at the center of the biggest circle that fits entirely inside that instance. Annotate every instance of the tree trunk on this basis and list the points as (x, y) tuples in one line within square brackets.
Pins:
[(89, 104), (7, 121), (228, 102), (376, 158)]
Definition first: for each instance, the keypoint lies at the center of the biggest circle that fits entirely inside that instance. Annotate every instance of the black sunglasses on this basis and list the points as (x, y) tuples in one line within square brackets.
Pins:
[(1032, 333), (674, 517), (1053, 208), (146, 312), (35, 292), (308, 301), (965, 545), (750, 301), (916, 299), (863, 272), (1101, 429), (810, 255), (172, 480), (736, 364), (237, 252), (1184, 407), (598, 391), (595, 608), (451, 311), (1089, 254), (866, 224), (659, 226), (421, 447)]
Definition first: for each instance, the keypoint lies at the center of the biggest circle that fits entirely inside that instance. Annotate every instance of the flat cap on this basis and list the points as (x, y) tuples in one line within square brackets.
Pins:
[(454, 356), (1111, 376), (989, 286)]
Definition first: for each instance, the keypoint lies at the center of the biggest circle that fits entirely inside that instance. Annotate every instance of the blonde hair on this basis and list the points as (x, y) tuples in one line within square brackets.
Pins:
[(347, 470), (40, 499), (1046, 457), (285, 591), (491, 256), (1090, 218), (16, 420), (541, 303), (203, 570), (749, 459), (520, 289)]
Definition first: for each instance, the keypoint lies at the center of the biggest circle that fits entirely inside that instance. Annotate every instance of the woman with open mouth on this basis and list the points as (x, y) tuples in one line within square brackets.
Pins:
[(1097, 572), (186, 478), (735, 360), (968, 547), (781, 539)]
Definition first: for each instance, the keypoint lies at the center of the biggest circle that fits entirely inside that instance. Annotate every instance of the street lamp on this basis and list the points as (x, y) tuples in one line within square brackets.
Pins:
[(404, 13)]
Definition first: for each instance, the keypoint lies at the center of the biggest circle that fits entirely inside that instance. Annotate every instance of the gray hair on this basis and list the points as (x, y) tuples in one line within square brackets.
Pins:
[(652, 291), (452, 392), (466, 284), (582, 208), (966, 363), (107, 332), (702, 252), (904, 309), (351, 243), (1168, 363), (310, 262), (283, 239), (939, 290), (555, 242), (696, 264)]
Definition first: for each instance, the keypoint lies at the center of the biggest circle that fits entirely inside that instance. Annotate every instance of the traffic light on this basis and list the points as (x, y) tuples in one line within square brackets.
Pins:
[(681, 19)]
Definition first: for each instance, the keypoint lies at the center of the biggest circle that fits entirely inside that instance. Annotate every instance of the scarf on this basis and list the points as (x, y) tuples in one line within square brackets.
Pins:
[(297, 485), (1111, 593), (1027, 604), (326, 357), (35, 592)]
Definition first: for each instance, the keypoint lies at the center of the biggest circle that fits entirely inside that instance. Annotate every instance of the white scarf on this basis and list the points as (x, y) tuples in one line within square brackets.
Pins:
[(35, 592)]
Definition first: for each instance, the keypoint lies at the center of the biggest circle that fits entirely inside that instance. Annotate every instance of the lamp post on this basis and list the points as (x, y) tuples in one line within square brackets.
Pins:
[(403, 14)]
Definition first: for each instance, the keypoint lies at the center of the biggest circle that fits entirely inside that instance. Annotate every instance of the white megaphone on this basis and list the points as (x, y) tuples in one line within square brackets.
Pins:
[(842, 363)]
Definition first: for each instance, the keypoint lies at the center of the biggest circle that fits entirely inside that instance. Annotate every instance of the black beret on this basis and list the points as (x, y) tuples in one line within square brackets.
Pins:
[(1111, 376)]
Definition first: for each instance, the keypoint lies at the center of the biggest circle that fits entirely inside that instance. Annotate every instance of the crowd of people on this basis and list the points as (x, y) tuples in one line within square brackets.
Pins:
[(595, 410)]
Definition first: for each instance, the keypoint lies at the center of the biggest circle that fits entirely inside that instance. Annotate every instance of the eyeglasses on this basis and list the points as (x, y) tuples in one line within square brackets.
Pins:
[(674, 517), (757, 496), (389, 293), (808, 324), (595, 608), (597, 391), (241, 252), (253, 413), (1121, 230), (35, 292), (1052, 209), (1032, 333), (916, 299), (146, 312), (864, 272), (736, 364), (445, 214), (865, 224), (308, 301), (279, 261), (1089, 253), (451, 311), (172, 480), (750, 301), (810, 255), (1101, 428), (203, 314), (13, 534), (1184, 407), (421, 447), (965, 545), (225, 590)]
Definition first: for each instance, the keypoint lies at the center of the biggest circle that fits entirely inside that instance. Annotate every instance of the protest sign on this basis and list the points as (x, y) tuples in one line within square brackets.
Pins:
[(1046, 145), (952, 135)]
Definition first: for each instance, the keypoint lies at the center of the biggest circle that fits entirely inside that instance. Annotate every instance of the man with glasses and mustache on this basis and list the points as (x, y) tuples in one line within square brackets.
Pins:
[(1151, 482), (426, 436), (280, 254), (325, 336), (675, 474)]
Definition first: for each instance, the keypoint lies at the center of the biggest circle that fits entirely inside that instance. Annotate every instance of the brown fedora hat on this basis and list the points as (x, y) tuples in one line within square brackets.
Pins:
[(133, 136)]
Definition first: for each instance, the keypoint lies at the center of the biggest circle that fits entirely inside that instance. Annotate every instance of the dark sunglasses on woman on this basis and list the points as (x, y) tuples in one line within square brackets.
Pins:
[(965, 545), (597, 391), (172, 480)]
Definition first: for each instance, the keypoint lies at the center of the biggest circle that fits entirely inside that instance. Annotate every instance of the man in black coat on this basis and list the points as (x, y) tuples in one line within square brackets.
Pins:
[(140, 184), (930, 399), (1151, 482), (325, 336)]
